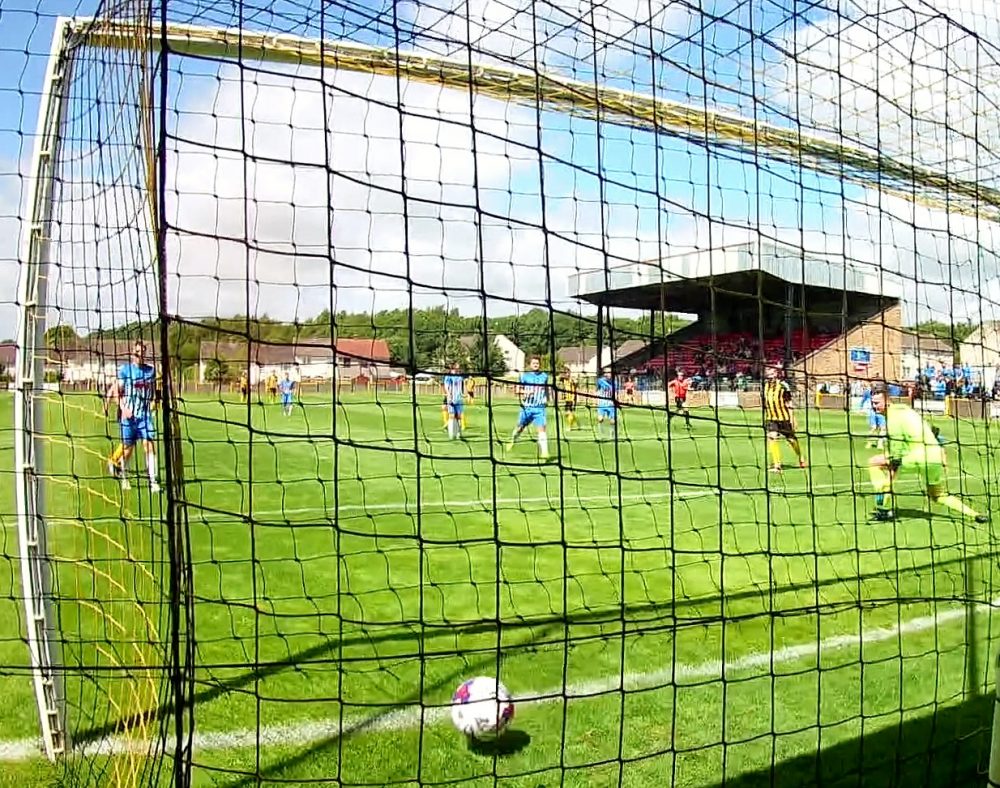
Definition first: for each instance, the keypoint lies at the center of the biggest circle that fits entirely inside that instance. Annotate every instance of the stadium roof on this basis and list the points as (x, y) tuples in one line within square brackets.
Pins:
[(684, 282)]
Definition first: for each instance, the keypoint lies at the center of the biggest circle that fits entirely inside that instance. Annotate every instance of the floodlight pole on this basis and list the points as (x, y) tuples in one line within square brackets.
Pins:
[(29, 404)]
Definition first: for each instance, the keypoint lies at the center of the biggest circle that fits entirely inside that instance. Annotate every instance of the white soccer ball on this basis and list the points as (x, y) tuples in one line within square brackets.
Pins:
[(481, 708)]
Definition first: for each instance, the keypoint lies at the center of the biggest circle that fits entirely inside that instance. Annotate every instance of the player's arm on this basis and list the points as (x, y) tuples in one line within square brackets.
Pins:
[(786, 398), (112, 394)]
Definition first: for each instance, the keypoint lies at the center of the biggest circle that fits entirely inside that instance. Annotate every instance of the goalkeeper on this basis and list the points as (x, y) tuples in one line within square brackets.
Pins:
[(912, 445)]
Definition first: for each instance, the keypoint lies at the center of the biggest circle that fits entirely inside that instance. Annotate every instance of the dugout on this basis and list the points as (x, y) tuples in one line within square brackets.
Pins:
[(825, 317)]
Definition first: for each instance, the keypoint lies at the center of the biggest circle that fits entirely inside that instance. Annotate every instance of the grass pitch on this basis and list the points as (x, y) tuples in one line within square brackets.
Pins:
[(665, 611)]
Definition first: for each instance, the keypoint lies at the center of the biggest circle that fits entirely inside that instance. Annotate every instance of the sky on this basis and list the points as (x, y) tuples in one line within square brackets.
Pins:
[(290, 190)]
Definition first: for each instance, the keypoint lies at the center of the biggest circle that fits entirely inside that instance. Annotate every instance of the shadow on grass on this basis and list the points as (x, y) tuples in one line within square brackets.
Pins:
[(508, 744), (639, 618), (511, 742), (919, 514), (946, 749)]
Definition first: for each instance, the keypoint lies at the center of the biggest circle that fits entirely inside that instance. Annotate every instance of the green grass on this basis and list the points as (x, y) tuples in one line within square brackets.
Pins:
[(366, 564)]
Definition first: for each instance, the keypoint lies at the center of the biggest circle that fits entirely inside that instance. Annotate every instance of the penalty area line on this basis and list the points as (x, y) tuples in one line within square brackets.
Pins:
[(309, 732), (198, 515)]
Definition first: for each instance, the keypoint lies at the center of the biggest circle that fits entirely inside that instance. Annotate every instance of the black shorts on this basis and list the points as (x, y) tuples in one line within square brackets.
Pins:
[(783, 427), (569, 406), (680, 402)]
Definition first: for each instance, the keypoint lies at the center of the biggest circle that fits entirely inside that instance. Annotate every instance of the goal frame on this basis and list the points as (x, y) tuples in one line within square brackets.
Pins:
[(29, 404), (543, 91)]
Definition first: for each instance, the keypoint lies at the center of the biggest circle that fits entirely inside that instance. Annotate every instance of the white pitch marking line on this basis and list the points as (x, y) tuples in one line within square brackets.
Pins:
[(611, 499), (310, 732)]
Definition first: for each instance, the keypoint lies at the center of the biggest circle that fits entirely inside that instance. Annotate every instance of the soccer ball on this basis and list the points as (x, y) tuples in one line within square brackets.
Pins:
[(481, 708)]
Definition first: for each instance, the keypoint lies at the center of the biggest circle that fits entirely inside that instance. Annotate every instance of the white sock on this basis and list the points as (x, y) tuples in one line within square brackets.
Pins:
[(151, 466), (513, 436), (452, 429), (543, 444)]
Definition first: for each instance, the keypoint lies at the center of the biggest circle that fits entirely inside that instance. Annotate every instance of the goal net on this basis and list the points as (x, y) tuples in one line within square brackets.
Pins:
[(641, 356)]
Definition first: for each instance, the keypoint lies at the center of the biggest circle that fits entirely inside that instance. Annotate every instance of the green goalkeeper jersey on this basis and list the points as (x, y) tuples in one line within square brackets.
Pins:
[(910, 437)]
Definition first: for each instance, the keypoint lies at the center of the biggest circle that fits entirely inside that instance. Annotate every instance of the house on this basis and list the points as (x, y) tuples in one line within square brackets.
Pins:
[(8, 360), (513, 356), (579, 359), (980, 351), (582, 359), (345, 359), (919, 352), (93, 360)]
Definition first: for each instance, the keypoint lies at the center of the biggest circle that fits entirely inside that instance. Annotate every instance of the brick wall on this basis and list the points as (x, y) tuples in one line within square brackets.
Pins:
[(882, 334)]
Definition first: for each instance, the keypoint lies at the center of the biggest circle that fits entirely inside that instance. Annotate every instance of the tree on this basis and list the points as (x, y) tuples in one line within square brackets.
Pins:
[(61, 336), (954, 333), (216, 370), (496, 364), (452, 350)]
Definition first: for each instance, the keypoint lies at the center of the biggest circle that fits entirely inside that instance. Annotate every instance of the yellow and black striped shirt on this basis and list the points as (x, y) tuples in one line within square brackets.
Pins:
[(776, 396), (569, 390)]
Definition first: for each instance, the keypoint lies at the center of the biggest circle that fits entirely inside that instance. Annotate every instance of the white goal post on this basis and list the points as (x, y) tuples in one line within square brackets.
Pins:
[(29, 401)]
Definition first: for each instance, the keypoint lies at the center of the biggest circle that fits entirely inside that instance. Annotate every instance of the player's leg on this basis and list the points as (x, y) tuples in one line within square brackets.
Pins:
[(682, 408), (455, 421), (462, 419), (937, 491), (114, 460), (148, 434), (445, 414), (774, 448), (876, 430), (543, 437), (129, 436), (880, 473), (605, 415), (523, 420), (793, 441), (880, 429)]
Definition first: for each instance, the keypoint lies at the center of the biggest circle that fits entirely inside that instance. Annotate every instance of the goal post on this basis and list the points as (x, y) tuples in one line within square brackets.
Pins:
[(40, 618)]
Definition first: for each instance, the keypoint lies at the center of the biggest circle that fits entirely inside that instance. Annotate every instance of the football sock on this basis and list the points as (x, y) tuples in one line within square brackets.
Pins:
[(151, 465), (775, 452), (956, 504), (543, 444), (880, 483)]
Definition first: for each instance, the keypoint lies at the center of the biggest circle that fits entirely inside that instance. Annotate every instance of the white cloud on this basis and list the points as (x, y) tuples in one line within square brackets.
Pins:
[(404, 208), (915, 83), (573, 36), (903, 78)]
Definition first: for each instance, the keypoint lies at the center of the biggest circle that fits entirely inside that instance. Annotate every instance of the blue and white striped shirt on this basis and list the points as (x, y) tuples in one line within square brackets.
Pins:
[(138, 386), (454, 386), (534, 389)]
